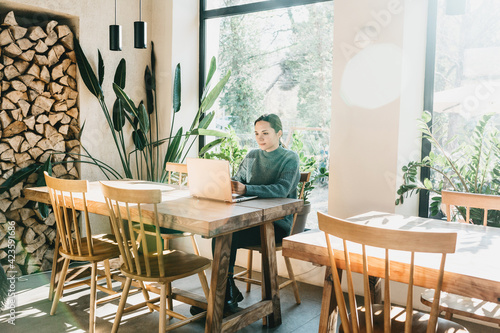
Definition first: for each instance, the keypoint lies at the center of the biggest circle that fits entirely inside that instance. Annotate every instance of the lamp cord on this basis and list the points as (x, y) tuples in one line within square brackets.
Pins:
[(140, 10), (115, 12)]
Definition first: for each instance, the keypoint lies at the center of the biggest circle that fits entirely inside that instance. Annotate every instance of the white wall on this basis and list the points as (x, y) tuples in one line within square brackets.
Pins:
[(378, 66)]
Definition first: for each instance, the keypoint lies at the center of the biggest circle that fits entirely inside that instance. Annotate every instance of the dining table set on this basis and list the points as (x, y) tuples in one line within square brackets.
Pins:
[(472, 270)]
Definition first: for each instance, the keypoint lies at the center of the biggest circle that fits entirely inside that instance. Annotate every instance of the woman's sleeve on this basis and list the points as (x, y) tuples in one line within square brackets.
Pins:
[(287, 180)]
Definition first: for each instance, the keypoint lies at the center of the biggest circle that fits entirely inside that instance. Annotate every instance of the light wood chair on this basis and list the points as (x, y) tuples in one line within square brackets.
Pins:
[(177, 174), (73, 245), (452, 304), (383, 317), (145, 264), (246, 274)]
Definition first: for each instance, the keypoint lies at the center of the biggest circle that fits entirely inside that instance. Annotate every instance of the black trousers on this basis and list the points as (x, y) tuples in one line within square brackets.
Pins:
[(250, 237)]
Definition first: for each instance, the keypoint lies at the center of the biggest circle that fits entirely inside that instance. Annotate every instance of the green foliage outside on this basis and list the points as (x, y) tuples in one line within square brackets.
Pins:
[(229, 150), (472, 166)]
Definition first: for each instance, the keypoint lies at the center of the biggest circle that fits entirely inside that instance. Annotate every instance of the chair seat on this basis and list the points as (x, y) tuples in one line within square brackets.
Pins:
[(177, 265), (465, 306), (398, 317), (104, 247)]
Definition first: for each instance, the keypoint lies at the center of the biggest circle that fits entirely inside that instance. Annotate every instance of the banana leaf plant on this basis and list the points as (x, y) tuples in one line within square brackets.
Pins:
[(146, 154)]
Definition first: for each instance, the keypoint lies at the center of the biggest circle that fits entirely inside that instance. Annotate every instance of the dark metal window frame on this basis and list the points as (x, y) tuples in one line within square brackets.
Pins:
[(430, 64), (230, 11)]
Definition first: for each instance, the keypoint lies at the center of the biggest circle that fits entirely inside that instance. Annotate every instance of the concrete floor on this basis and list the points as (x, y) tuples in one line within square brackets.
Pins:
[(33, 307)]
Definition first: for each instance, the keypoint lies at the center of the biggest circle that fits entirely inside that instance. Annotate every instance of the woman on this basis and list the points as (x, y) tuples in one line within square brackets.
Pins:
[(271, 171)]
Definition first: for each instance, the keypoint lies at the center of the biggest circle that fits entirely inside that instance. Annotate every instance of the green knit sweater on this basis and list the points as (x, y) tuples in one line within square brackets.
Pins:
[(272, 174)]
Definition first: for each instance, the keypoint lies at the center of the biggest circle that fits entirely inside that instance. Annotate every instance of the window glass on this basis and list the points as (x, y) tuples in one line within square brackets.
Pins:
[(466, 89), (281, 62)]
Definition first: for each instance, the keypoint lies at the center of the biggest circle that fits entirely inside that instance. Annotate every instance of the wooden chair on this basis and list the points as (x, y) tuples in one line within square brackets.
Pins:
[(73, 245), (246, 275), (383, 317), (147, 264), (455, 304), (177, 173)]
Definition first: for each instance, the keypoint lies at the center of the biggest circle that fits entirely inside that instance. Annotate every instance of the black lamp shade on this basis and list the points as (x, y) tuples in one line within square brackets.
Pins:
[(115, 37), (140, 34)]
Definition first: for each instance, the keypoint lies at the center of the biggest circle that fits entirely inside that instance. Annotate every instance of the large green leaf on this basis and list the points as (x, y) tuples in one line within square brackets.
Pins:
[(205, 122), (19, 176), (127, 103), (209, 146), (177, 89), (211, 71), (88, 75), (143, 116), (149, 82), (139, 139), (100, 68), (173, 148), (212, 96), (118, 115), (121, 74), (202, 131)]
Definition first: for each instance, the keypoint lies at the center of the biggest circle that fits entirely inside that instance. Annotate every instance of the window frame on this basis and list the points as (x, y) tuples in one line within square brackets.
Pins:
[(430, 64)]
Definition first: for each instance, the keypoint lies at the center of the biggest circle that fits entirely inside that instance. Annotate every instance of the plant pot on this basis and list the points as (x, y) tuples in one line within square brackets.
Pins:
[(300, 221)]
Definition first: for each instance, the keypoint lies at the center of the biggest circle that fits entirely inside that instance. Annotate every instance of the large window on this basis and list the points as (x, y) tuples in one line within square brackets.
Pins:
[(465, 90), (280, 56)]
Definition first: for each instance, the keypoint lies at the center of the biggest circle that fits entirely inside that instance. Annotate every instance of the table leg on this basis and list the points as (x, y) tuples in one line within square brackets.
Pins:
[(270, 273), (328, 316), (220, 266)]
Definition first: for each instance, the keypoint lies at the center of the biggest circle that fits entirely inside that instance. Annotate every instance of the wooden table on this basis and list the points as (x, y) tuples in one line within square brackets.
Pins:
[(209, 219), (473, 270)]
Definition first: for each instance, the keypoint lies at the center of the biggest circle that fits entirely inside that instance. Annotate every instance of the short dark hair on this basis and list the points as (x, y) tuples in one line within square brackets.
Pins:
[(272, 119)]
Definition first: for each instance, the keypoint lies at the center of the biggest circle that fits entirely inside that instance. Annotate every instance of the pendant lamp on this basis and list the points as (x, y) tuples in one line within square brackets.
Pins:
[(140, 31), (115, 36)]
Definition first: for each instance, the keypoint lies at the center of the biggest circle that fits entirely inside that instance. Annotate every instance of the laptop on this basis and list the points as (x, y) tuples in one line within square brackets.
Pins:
[(210, 179)]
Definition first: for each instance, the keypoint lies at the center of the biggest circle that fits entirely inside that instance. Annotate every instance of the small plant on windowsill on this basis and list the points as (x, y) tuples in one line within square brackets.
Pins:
[(474, 167), (308, 163)]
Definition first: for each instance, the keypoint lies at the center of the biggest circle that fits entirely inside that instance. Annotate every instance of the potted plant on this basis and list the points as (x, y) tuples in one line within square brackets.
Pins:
[(473, 166), (308, 163)]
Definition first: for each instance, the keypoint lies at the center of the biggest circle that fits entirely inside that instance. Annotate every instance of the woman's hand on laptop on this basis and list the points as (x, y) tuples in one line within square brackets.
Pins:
[(238, 187)]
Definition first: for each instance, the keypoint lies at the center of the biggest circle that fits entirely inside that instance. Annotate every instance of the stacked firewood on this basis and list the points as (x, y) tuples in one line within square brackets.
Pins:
[(38, 121)]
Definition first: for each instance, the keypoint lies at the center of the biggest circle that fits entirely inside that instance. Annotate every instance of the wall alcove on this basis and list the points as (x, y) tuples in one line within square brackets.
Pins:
[(39, 120)]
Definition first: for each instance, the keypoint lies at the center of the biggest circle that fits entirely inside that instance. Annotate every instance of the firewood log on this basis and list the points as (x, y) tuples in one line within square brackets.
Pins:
[(30, 122), (44, 102), (51, 38), (10, 19), (32, 138), (45, 74), (12, 50), (5, 119), (14, 96), (27, 55), (21, 66), (18, 32), (6, 37), (24, 43), (14, 128), (11, 72), (41, 47), (36, 32), (7, 104), (18, 85), (41, 60)]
